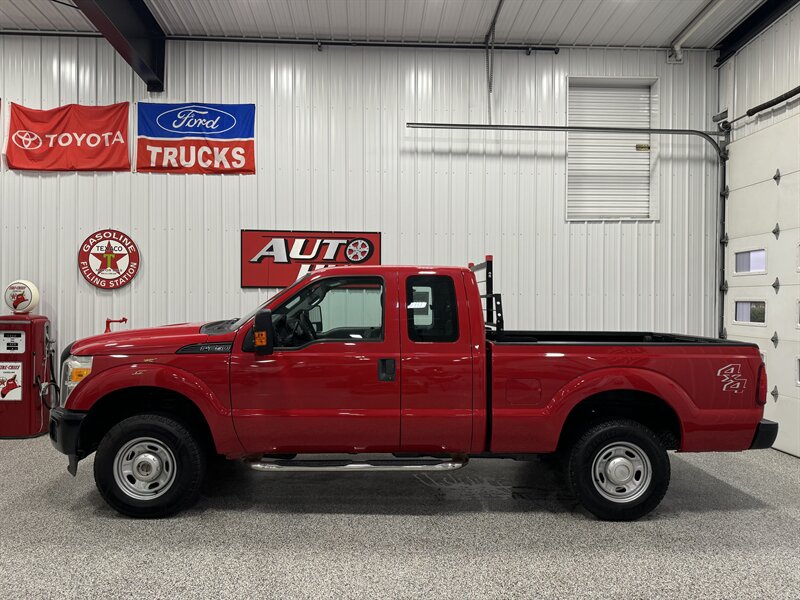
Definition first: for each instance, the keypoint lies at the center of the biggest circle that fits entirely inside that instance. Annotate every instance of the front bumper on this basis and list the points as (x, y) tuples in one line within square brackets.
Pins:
[(766, 432), (65, 427)]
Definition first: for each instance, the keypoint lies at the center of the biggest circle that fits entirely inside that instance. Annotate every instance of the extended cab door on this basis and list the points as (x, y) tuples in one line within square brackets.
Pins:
[(437, 364), (333, 382)]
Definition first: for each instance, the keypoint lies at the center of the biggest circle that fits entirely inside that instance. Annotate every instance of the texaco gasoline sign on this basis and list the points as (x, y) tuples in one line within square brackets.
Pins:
[(108, 259)]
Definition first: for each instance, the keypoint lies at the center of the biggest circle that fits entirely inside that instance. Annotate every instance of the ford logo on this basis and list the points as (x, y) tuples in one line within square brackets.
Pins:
[(196, 119)]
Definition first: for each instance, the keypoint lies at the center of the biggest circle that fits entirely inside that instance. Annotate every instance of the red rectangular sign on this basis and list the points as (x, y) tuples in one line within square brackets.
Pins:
[(69, 138), (195, 156), (279, 258)]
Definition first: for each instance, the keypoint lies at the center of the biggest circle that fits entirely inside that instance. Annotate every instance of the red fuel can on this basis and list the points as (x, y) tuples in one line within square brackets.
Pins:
[(23, 366)]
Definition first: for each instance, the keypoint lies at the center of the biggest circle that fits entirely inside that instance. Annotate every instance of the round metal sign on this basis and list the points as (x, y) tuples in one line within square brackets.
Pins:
[(109, 259)]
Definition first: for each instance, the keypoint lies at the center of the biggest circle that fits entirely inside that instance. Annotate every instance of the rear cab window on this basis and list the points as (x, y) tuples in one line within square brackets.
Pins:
[(431, 308)]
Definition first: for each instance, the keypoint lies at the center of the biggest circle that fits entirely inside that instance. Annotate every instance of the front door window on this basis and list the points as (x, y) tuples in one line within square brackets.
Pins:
[(342, 309)]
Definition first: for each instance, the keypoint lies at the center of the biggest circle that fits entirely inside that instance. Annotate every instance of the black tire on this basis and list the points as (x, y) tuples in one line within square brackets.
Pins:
[(172, 440), (603, 443)]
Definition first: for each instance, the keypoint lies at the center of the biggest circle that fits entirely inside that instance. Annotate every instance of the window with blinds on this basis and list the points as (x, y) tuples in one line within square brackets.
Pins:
[(608, 174)]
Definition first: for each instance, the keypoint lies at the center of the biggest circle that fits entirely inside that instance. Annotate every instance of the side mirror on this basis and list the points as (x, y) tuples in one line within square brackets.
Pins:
[(263, 333)]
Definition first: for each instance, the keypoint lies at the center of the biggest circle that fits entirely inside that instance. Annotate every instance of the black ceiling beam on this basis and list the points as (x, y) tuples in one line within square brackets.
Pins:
[(761, 18), (132, 29)]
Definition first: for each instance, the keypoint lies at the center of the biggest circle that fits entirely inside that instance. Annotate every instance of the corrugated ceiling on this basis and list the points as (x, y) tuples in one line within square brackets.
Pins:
[(631, 23), (43, 15), (650, 23)]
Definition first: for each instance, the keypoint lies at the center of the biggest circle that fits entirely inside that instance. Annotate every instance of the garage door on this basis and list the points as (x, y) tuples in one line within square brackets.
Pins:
[(763, 264)]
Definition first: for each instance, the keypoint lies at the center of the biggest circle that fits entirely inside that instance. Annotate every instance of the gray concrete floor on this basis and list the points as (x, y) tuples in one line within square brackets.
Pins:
[(729, 527)]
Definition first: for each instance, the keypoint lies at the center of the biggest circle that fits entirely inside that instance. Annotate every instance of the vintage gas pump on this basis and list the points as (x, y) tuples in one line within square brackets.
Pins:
[(26, 365)]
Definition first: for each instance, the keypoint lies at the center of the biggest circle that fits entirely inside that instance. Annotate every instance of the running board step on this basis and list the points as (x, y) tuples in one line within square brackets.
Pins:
[(432, 464)]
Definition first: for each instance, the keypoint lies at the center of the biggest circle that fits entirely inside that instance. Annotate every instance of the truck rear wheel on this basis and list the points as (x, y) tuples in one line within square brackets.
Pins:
[(149, 466), (619, 470)]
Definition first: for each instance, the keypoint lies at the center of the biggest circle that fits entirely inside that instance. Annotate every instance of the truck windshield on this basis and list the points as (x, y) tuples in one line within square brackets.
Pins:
[(234, 324)]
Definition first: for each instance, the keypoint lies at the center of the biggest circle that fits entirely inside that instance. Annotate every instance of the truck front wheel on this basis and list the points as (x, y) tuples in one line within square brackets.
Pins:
[(149, 466), (619, 470)]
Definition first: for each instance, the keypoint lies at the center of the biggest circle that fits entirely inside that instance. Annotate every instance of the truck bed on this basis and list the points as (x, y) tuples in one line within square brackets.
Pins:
[(536, 378), (604, 337)]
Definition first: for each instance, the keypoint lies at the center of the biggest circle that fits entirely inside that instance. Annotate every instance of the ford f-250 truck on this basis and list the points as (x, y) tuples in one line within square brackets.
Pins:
[(399, 361)]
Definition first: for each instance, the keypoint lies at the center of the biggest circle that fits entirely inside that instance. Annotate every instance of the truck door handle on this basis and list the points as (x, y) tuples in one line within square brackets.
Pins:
[(387, 369)]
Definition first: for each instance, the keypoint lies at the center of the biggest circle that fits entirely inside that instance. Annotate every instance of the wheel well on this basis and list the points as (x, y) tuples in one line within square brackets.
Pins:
[(647, 409), (119, 405)]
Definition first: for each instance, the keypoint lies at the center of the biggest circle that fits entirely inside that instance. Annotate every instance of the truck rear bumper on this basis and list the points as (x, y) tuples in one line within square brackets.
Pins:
[(65, 426), (766, 432)]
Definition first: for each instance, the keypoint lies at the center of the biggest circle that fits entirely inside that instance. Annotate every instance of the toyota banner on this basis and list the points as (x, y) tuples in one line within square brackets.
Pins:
[(279, 258), (69, 138), (196, 138)]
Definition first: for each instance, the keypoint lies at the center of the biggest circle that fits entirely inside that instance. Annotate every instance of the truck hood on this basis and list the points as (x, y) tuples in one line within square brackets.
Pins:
[(167, 339)]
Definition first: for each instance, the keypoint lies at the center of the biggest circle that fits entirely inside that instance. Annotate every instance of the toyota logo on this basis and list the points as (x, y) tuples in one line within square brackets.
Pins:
[(27, 140)]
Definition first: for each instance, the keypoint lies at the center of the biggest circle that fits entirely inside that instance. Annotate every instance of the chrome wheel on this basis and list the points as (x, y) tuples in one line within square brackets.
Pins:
[(621, 472), (144, 468)]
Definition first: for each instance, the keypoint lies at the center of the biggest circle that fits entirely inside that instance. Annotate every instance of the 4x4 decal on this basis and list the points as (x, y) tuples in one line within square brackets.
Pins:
[(732, 379)]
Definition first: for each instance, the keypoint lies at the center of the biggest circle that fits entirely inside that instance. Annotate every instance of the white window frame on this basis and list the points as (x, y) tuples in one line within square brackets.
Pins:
[(751, 323), (747, 273), (655, 119), (797, 370), (797, 316), (798, 259)]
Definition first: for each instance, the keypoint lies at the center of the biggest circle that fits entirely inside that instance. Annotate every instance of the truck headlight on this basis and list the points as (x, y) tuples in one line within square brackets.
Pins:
[(73, 371)]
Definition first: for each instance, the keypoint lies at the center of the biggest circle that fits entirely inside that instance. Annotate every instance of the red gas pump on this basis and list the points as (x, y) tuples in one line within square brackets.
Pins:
[(26, 365)]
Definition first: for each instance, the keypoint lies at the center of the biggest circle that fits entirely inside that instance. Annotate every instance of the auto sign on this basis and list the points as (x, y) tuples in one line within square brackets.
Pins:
[(278, 258)]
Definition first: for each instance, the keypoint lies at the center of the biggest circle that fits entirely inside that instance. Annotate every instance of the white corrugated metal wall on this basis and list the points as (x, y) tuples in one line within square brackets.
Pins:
[(770, 141), (333, 153)]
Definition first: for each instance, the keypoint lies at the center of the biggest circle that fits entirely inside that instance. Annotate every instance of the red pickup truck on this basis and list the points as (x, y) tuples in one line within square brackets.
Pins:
[(400, 362)]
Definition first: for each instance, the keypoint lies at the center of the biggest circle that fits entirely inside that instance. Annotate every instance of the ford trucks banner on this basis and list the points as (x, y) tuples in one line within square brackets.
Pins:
[(278, 258), (196, 138), (69, 138)]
